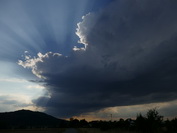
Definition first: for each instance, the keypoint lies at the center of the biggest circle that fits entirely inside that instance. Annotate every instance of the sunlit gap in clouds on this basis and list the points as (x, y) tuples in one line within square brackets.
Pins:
[(124, 112), (16, 93)]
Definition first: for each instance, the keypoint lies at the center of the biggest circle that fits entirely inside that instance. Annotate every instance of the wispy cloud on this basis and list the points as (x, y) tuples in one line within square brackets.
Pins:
[(35, 87), (16, 80)]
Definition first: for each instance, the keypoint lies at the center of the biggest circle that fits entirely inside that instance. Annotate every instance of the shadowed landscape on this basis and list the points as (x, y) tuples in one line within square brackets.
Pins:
[(24, 121)]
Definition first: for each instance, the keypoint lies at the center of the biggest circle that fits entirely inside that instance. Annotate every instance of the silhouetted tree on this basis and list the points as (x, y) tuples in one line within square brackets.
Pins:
[(154, 120), (74, 123), (140, 123), (83, 123), (171, 125)]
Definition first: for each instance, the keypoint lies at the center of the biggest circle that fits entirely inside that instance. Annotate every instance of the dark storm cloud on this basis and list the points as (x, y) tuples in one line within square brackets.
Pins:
[(130, 58)]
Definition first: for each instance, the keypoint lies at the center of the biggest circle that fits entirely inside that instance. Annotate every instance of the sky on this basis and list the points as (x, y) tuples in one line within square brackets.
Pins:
[(89, 59)]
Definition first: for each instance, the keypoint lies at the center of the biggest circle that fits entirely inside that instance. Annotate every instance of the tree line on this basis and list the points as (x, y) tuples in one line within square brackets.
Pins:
[(152, 122)]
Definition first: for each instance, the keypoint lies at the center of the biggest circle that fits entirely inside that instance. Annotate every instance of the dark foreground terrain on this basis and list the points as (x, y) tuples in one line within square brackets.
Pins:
[(65, 130), (25, 121), (52, 130)]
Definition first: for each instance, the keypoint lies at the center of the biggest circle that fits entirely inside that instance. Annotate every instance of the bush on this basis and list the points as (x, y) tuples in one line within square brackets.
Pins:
[(152, 122)]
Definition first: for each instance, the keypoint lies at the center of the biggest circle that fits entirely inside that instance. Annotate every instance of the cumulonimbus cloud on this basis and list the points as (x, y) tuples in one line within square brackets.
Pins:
[(129, 58)]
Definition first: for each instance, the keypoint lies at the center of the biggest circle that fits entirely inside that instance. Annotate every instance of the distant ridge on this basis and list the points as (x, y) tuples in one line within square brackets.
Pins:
[(28, 119)]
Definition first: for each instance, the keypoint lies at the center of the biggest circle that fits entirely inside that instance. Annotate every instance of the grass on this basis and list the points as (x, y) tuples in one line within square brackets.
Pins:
[(62, 130), (97, 130), (48, 130)]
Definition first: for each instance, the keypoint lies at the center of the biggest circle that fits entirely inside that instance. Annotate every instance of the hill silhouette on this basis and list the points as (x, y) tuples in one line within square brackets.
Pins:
[(28, 119)]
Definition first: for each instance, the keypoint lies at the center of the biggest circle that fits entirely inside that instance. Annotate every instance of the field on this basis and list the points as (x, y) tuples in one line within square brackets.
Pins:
[(97, 130), (64, 130), (52, 130)]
